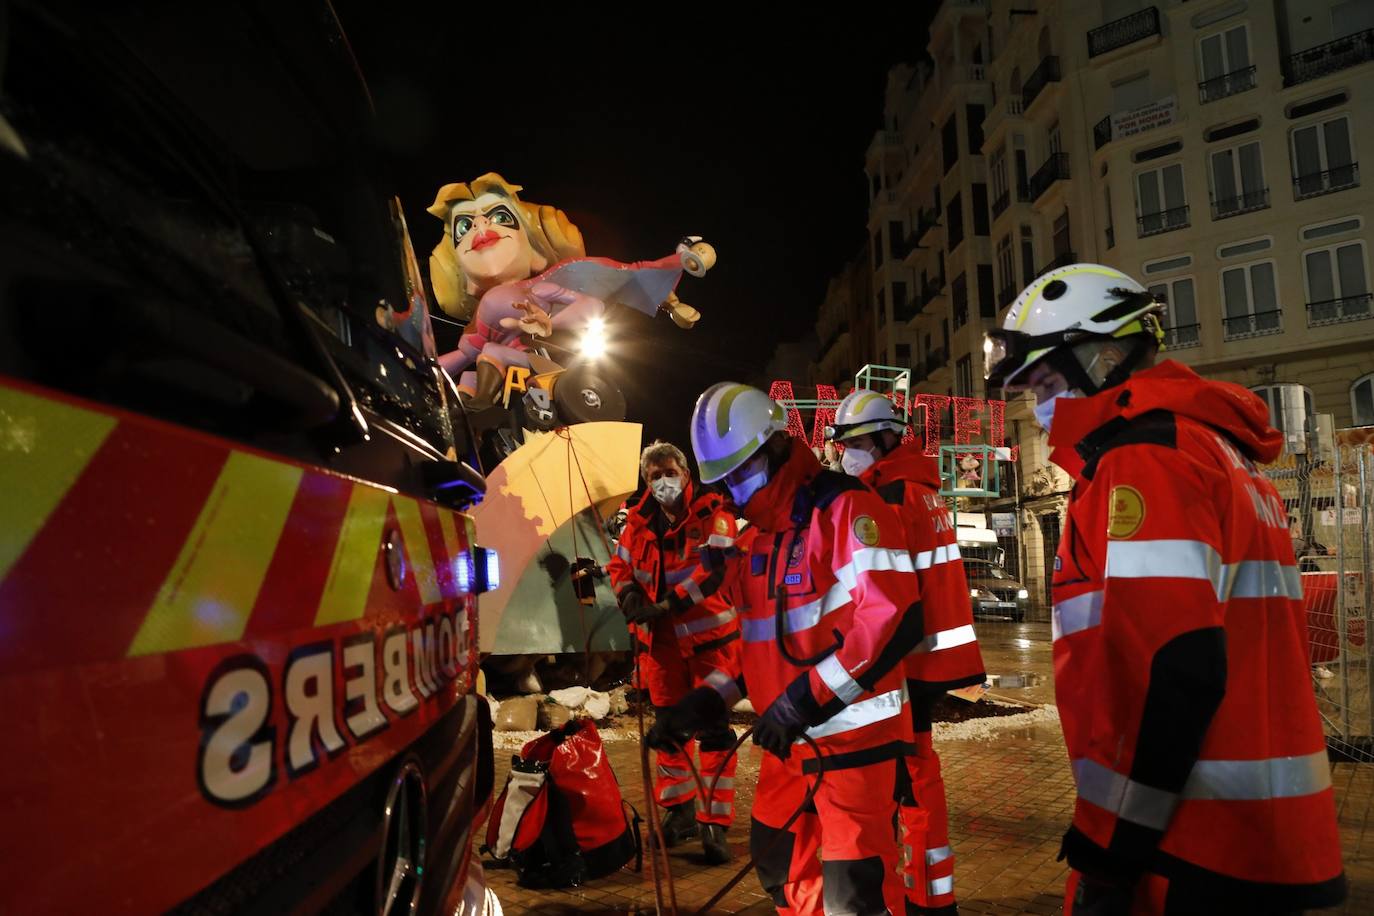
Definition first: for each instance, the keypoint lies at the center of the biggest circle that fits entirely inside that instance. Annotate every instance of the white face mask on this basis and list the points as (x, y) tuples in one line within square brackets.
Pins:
[(855, 461), (742, 491), (1044, 410), (667, 490)]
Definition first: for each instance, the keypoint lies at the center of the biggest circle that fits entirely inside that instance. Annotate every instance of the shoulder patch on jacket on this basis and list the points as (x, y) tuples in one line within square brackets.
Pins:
[(1125, 512), (866, 530)]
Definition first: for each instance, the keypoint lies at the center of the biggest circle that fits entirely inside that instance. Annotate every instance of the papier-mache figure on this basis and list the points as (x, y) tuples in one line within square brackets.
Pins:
[(517, 271), (970, 473)]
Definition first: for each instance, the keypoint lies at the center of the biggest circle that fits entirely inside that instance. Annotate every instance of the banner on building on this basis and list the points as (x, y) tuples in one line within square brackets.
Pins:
[(1147, 117)]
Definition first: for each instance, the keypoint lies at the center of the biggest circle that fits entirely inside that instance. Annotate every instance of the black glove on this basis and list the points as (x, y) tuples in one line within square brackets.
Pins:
[(644, 612), (675, 725), (1102, 897), (780, 725)]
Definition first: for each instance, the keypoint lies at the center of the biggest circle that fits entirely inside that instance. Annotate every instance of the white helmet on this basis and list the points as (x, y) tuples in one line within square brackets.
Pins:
[(1064, 306), (863, 411), (729, 424)]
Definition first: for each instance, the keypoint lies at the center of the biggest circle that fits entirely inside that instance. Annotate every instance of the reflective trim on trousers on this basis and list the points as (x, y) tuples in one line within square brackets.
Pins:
[(941, 886), (947, 639), (838, 679), (673, 772), (705, 623), (674, 791), (1081, 612), (1210, 780), (938, 855), (857, 715)]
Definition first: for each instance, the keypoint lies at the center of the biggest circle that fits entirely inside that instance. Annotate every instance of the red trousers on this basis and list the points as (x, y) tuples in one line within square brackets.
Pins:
[(849, 823), (669, 675), (927, 859)]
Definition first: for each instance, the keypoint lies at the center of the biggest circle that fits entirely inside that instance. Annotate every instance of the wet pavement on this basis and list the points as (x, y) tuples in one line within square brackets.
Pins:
[(1010, 798)]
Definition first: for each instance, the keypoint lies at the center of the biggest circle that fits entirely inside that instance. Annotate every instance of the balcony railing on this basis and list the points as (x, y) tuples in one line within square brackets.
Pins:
[(1257, 324), (1245, 203), (931, 290), (1046, 73), (1061, 260), (926, 220), (840, 330), (1102, 132), (1328, 58), (1000, 205), (1006, 295), (1227, 84), (1120, 32), (1163, 221), (1316, 184), (1183, 336), (936, 360), (1336, 311), (1055, 168)]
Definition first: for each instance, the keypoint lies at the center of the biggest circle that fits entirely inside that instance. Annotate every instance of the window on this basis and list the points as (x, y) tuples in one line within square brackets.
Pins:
[(1062, 246), (958, 294), (997, 173), (1250, 246), (1054, 140), (894, 241), (980, 210), (1018, 156), (1131, 94), (901, 309), (1165, 265), (903, 351), (1293, 421), (1182, 329), (1337, 283), (1111, 225), (1362, 401), (1322, 230), (1249, 294), (949, 142), (987, 303), (877, 251), (1238, 181), (1157, 152), (1217, 134), (954, 222), (973, 114), (963, 377), (1159, 199), (1027, 256), (882, 308), (1006, 272), (1224, 64), (1323, 158)]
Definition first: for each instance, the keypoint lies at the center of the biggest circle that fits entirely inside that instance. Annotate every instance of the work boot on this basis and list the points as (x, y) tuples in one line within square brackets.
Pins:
[(679, 824), (487, 389), (718, 852)]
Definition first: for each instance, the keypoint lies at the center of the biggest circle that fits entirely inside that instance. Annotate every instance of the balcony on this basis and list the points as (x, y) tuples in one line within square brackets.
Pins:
[(1063, 259), (1163, 221), (885, 142), (1258, 324), (1120, 32), (928, 292), (999, 206), (840, 330), (936, 360), (1183, 337), (926, 220), (1245, 203), (1339, 311), (1009, 107), (1102, 132), (1227, 84), (1046, 73), (1315, 184), (1328, 58), (1055, 168)]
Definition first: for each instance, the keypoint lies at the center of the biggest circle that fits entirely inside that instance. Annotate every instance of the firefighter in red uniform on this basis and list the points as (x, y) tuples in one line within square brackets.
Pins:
[(1180, 643), (907, 479), (685, 631), (829, 608)]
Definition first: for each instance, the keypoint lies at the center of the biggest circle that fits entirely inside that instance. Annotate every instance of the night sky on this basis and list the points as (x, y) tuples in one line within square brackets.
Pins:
[(752, 138)]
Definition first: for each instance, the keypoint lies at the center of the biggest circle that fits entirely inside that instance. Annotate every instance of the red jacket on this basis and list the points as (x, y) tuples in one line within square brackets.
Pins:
[(1181, 656), (701, 618), (847, 583), (948, 657)]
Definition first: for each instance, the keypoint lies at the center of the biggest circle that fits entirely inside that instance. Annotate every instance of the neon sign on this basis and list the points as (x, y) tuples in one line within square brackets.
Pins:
[(970, 416)]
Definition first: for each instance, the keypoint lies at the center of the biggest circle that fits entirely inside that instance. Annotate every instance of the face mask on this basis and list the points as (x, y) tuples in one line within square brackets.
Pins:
[(667, 490), (1044, 411), (742, 490), (855, 461)]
